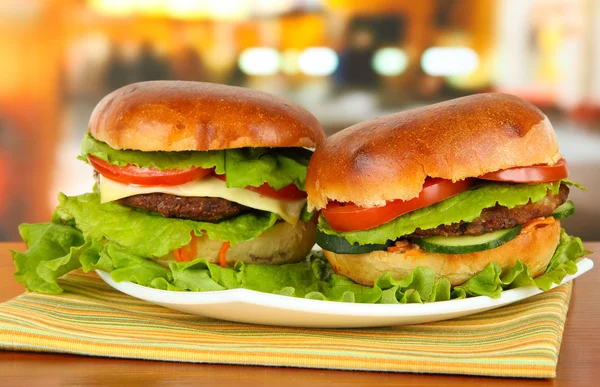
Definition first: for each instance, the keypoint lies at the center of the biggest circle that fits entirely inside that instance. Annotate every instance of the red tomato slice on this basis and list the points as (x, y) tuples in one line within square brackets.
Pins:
[(131, 174), (350, 217), (532, 174), (291, 192)]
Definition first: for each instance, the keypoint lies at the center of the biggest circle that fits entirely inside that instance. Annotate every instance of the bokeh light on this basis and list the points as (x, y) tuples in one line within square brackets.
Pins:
[(448, 61), (259, 61), (318, 61), (390, 61)]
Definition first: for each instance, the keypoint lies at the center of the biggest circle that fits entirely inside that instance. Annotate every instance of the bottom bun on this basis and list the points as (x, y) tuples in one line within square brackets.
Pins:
[(534, 248), (282, 243)]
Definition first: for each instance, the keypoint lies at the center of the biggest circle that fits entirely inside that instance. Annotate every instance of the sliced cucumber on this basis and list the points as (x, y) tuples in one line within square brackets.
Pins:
[(340, 245), (467, 243), (564, 210)]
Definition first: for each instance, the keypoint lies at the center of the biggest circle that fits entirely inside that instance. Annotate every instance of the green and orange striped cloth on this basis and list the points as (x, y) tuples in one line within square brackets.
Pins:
[(90, 318)]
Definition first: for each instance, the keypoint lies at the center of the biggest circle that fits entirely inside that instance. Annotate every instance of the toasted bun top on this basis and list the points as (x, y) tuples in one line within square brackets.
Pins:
[(389, 157), (182, 116)]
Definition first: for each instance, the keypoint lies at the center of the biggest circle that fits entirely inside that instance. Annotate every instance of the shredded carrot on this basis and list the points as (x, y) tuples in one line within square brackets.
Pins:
[(188, 252), (398, 246), (177, 255), (405, 247), (411, 252), (536, 223), (184, 254), (223, 254)]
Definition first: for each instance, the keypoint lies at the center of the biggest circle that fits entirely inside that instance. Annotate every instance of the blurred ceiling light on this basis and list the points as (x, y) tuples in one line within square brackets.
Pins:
[(389, 61), (272, 8), (113, 7), (259, 61), (289, 62), (187, 9), (229, 9), (318, 61), (178, 9), (448, 61), (151, 7)]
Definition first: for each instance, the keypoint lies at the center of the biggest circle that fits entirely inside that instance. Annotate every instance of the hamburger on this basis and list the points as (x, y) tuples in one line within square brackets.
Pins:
[(184, 170), (464, 195)]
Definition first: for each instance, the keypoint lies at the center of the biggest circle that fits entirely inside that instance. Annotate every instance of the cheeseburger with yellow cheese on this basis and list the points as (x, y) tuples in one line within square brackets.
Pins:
[(184, 170)]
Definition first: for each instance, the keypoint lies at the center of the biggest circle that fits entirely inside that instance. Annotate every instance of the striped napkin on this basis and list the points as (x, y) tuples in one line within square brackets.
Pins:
[(90, 318)]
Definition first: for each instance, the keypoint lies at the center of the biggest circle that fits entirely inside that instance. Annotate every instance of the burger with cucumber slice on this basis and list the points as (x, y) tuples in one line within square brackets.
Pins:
[(184, 170), (470, 192)]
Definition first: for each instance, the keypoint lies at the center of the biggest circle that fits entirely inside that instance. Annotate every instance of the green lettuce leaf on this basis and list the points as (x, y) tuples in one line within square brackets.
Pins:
[(159, 160), (278, 167), (52, 251), (130, 267), (147, 235), (56, 249), (465, 206), (572, 183), (567, 248), (307, 215)]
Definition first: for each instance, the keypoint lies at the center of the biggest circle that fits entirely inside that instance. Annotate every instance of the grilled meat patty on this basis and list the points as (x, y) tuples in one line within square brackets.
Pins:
[(194, 208), (499, 217)]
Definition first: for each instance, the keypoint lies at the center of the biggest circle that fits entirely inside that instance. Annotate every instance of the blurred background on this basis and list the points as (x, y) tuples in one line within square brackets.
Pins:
[(344, 60)]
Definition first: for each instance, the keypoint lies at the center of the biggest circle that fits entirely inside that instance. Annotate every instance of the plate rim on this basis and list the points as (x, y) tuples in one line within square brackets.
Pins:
[(278, 301)]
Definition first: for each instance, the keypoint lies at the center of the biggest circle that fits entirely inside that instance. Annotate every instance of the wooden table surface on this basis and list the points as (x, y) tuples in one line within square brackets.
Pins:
[(579, 362)]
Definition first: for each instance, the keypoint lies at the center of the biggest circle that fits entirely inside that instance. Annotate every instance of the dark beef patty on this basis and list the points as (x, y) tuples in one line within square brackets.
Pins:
[(499, 217), (194, 208)]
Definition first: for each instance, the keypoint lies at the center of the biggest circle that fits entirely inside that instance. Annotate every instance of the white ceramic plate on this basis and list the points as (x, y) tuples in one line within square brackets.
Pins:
[(254, 307)]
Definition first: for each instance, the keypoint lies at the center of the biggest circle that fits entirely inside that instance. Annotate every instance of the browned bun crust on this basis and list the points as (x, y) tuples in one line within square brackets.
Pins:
[(389, 157), (534, 248), (184, 116)]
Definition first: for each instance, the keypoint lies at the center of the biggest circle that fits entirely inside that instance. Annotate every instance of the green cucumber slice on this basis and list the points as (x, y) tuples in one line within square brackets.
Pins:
[(340, 245), (467, 243), (564, 210)]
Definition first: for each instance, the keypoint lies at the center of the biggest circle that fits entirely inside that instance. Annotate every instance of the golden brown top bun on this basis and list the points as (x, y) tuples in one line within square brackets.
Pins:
[(389, 157), (534, 248), (184, 116)]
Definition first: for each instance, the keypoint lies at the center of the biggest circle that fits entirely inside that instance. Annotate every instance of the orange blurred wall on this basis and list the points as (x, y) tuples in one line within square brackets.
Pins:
[(30, 49)]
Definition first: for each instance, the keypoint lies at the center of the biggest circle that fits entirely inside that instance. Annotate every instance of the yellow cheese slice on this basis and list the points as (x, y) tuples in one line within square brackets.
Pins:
[(209, 186)]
